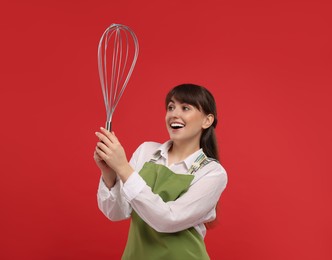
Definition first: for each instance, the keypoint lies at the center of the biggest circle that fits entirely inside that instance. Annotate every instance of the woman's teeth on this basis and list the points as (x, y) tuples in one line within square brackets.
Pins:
[(177, 125)]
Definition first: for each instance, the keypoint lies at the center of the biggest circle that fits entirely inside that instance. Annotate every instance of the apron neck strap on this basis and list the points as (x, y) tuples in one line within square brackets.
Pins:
[(200, 161)]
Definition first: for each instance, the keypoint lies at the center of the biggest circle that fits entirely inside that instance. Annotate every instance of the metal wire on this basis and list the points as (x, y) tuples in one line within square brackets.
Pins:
[(117, 55)]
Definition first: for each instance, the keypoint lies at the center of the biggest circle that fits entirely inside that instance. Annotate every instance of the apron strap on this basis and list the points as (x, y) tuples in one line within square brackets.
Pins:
[(200, 162)]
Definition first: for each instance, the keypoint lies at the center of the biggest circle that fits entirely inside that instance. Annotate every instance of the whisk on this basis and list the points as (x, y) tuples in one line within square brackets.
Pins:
[(117, 55)]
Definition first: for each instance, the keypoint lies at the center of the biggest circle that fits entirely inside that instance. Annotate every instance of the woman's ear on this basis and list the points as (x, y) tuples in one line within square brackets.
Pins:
[(208, 121)]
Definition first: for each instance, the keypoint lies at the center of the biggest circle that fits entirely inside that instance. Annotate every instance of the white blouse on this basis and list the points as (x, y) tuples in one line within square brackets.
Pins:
[(192, 209)]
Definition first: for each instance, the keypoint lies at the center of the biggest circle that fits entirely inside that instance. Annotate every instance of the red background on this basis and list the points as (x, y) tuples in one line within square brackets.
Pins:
[(268, 64)]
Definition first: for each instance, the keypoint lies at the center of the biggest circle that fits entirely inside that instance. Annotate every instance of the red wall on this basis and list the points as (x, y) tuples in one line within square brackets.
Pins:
[(268, 64)]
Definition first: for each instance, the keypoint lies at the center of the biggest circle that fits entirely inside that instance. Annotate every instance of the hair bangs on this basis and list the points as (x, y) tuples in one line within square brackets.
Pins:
[(185, 94)]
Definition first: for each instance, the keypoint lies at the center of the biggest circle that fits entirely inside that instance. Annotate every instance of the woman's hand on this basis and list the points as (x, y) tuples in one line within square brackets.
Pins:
[(110, 150), (108, 174)]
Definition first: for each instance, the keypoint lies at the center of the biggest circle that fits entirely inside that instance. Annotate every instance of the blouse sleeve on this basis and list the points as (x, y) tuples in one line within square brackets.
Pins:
[(193, 208), (111, 202)]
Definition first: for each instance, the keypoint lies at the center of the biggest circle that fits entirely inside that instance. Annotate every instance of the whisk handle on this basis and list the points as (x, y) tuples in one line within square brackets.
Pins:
[(108, 126)]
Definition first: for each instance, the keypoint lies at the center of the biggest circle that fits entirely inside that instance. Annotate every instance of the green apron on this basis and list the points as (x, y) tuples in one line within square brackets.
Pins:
[(144, 243)]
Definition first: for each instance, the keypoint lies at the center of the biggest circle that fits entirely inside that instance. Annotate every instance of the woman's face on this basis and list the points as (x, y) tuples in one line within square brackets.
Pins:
[(185, 122)]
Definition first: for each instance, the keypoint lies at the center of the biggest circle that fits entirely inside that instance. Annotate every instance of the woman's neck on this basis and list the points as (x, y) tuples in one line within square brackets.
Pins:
[(180, 151)]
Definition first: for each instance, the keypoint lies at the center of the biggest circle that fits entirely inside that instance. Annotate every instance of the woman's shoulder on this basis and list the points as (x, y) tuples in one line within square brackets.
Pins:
[(215, 164), (214, 168), (212, 172)]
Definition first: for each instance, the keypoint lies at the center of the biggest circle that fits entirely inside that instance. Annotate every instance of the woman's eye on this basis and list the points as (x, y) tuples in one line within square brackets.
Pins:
[(170, 108), (186, 108)]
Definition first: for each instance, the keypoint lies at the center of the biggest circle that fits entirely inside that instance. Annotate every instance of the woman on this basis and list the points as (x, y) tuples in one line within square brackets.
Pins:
[(169, 190)]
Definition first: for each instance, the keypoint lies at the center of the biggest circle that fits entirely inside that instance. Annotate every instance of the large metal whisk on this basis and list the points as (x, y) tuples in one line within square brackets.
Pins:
[(117, 54)]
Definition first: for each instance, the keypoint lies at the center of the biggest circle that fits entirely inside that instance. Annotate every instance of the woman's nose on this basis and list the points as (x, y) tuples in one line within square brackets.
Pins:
[(176, 112)]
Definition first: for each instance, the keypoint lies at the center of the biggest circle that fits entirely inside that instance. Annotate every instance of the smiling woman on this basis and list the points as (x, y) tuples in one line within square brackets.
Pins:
[(169, 190), (195, 98)]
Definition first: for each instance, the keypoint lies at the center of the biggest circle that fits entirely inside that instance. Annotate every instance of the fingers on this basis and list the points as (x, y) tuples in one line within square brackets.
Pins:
[(110, 135), (99, 153), (103, 138), (96, 156), (102, 146)]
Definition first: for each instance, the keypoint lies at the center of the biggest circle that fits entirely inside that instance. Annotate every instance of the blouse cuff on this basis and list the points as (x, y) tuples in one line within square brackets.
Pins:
[(133, 186), (104, 193)]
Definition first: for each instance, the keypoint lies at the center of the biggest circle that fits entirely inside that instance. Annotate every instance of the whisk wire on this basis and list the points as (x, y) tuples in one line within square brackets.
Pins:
[(124, 52), (118, 61)]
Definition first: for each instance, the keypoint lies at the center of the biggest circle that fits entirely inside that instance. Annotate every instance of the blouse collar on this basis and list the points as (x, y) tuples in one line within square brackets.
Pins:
[(162, 151)]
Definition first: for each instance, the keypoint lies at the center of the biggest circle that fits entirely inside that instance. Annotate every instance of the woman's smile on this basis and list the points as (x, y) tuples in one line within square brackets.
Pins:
[(176, 125)]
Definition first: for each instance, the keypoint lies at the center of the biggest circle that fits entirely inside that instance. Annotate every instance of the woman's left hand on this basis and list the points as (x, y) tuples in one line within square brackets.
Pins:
[(112, 152)]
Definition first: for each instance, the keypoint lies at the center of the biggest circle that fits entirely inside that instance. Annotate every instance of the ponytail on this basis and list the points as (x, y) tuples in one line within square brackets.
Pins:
[(209, 143)]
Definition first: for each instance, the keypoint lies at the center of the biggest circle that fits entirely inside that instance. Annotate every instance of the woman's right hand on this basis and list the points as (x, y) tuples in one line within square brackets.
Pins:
[(108, 174)]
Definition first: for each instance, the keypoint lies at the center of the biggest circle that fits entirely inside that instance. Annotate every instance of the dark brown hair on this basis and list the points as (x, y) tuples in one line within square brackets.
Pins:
[(203, 100)]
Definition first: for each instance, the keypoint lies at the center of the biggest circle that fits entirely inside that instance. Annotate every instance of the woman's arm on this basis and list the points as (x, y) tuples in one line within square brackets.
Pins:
[(194, 207), (109, 196)]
